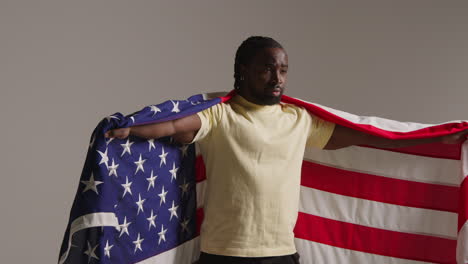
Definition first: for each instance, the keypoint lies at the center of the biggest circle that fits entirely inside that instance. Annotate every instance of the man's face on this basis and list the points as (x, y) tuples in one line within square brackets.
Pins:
[(265, 77)]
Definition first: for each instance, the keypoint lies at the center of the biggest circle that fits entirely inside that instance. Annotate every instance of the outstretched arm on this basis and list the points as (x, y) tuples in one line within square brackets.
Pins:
[(182, 130), (344, 137)]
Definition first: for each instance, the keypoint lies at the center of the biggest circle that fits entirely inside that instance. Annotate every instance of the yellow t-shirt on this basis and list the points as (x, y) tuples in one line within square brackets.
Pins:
[(253, 156)]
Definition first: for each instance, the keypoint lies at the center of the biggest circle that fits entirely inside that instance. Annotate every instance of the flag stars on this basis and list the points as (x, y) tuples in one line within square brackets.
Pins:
[(93, 139), (140, 204), (108, 118), (109, 141), (138, 243), (162, 234), (154, 109), (151, 180), (91, 184), (139, 164), (126, 147), (113, 168), (126, 186), (151, 144), (163, 157), (104, 157), (90, 252), (124, 227), (133, 118), (173, 211), (184, 150), (162, 195), (175, 107), (184, 187), (151, 220), (107, 249), (184, 225), (173, 172)]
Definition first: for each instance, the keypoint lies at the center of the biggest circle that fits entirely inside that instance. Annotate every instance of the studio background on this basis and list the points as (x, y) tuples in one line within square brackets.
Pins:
[(64, 65)]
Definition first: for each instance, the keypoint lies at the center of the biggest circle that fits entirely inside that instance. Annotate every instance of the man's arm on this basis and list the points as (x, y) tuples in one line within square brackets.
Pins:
[(182, 130), (344, 137)]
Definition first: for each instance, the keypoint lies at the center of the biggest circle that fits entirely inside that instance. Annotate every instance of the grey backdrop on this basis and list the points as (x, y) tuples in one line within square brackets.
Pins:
[(67, 64)]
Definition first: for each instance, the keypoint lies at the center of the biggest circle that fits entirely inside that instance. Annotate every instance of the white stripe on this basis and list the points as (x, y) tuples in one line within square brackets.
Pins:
[(462, 245), (464, 159), (389, 164), (377, 214), (318, 253), (186, 253), (201, 193), (88, 221), (379, 122)]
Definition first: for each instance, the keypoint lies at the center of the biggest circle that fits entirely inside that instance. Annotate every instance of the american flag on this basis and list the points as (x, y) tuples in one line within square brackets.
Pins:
[(141, 201)]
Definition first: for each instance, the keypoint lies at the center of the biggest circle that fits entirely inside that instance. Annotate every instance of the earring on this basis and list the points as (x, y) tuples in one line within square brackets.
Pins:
[(242, 78)]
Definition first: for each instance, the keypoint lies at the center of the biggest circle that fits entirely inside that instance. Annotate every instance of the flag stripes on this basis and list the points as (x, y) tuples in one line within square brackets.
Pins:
[(374, 240), (378, 188)]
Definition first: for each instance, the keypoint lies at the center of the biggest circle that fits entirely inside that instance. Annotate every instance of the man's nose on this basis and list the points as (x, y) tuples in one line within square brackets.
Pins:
[(277, 77)]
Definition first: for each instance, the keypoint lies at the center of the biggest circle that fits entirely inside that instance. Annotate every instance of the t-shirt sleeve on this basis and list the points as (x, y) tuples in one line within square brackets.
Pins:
[(209, 119), (320, 132)]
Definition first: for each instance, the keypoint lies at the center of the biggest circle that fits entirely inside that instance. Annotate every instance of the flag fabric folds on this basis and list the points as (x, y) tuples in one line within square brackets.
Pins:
[(141, 201)]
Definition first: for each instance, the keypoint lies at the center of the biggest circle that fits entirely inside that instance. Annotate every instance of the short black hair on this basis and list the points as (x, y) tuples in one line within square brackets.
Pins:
[(247, 51)]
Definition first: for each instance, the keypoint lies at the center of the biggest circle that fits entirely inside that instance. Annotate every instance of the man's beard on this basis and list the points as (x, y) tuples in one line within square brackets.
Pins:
[(267, 99)]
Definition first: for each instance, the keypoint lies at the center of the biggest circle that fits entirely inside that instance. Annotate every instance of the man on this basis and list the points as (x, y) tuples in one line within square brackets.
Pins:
[(250, 148)]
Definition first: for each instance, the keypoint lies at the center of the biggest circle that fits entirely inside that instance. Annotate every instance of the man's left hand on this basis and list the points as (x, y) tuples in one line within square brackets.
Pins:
[(456, 138)]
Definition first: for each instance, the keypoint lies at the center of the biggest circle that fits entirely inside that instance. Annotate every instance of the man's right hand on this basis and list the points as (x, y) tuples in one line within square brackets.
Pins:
[(119, 133)]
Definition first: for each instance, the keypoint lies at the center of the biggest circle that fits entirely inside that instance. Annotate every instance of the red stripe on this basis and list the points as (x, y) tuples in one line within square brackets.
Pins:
[(200, 170), (433, 150), (430, 131), (374, 240), (463, 208), (378, 188)]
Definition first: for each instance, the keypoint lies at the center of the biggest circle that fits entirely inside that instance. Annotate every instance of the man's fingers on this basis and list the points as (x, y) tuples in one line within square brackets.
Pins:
[(118, 133)]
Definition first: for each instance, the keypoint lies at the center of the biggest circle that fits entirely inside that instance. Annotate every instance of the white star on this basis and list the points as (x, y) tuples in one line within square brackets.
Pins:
[(184, 225), (162, 195), (175, 107), (173, 211), (107, 249), (151, 180), (126, 147), (124, 227), (184, 187), (104, 157), (93, 139), (113, 168), (151, 144), (109, 141), (173, 172), (140, 204), (162, 234), (138, 243), (91, 184), (139, 164), (133, 118), (151, 220), (155, 109), (126, 186), (184, 150), (163, 157), (111, 117), (90, 252)]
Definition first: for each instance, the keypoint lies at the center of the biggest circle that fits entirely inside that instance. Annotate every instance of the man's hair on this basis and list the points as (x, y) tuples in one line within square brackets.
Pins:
[(247, 51)]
